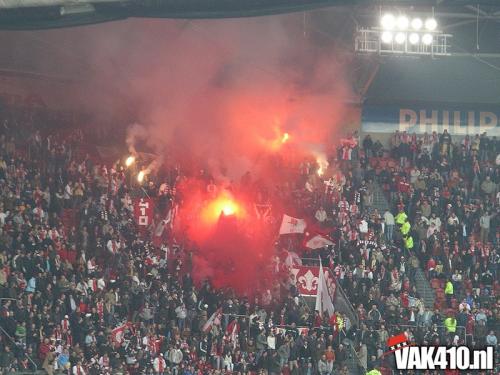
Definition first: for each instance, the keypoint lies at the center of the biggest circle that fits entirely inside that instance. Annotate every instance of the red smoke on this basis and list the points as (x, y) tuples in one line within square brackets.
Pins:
[(232, 248), (217, 95)]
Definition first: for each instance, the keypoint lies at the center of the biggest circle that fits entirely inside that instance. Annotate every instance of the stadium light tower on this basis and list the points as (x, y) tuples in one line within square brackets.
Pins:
[(403, 34)]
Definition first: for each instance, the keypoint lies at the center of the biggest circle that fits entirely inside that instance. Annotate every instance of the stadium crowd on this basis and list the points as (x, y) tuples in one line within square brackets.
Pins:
[(94, 296)]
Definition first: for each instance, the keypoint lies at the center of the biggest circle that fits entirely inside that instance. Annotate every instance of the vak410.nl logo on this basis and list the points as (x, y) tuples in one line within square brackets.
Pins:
[(409, 357)]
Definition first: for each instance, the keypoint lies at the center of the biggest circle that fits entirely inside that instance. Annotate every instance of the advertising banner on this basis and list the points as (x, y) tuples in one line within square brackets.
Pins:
[(459, 119)]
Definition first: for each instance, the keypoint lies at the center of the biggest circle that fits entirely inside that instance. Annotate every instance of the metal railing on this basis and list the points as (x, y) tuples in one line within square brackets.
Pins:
[(310, 262), (354, 358), (24, 352), (460, 330), (341, 300)]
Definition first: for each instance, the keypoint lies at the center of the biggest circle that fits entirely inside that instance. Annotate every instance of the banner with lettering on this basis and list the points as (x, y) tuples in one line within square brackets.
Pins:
[(459, 119), (143, 212), (307, 278)]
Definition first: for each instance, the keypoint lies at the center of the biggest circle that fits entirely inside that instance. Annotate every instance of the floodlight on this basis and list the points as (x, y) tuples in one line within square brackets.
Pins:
[(427, 39), (388, 21), (400, 38), (414, 38), (430, 24), (386, 37), (403, 23), (416, 24)]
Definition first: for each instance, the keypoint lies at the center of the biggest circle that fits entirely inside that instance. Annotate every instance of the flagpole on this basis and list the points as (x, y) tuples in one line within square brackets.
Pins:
[(319, 305), (340, 252)]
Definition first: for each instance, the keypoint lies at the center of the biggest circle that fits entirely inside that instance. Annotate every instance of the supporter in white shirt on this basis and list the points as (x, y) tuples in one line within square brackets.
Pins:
[(68, 191), (414, 174), (321, 215), (3, 216), (453, 220), (113, 246), (37, 212), (432, 228), (159, 364), (78, 369), (436, 221), (363, 226), (91, 265)]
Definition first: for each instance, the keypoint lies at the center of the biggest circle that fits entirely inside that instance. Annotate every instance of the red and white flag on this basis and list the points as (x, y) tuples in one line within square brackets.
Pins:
[(213, 320), (291, 225), (292, 259), (317, 241), (232, 330), (303, 330), (117, 335), (323, 298)]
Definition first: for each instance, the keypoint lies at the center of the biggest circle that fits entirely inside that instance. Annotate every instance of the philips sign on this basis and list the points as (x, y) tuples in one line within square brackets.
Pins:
[(458, 121)]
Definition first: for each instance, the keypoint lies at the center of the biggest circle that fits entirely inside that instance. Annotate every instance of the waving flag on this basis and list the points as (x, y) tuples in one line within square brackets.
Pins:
[(291, 225), (317, 241), (292, 259), (214, 320), (323, 298), (117, 334), (232, 330)]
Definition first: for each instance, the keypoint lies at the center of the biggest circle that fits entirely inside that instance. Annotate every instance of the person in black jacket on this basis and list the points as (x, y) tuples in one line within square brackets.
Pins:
[(273, 363), (305, 352), (293, 359)]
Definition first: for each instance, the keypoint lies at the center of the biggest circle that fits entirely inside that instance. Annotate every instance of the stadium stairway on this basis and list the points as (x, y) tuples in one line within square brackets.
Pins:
[(424, 288), (352, 362), (379, 199)]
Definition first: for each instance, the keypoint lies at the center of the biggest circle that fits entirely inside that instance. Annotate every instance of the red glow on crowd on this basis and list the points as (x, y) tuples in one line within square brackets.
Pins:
[(224, 204), (232, 247)]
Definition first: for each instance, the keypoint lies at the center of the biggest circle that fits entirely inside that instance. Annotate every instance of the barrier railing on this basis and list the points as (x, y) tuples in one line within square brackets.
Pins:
[(357, 366), (15, 344), (460, 330), (341, 300)]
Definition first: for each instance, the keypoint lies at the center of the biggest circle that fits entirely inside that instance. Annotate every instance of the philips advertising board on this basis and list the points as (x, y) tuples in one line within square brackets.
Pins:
[(458, 119)]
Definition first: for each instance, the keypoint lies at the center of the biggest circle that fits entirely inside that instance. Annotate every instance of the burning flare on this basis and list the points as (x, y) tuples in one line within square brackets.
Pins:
[(322, 164), (130, 160), (140, 176), (224, 204), (285, 138)]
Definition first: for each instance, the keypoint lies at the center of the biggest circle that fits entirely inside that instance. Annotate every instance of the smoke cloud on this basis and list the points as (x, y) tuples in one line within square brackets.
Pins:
[(219, 92)]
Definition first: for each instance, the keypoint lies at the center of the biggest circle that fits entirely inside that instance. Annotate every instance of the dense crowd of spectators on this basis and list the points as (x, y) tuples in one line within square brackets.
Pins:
[(95, 296), (448, 189)]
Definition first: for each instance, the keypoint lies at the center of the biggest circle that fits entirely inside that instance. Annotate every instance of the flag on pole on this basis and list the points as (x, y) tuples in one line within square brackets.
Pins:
[(213, 320), (232, 331), (292, 259), (118, 334), (291, 225), (317, 241), (323, 299)]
